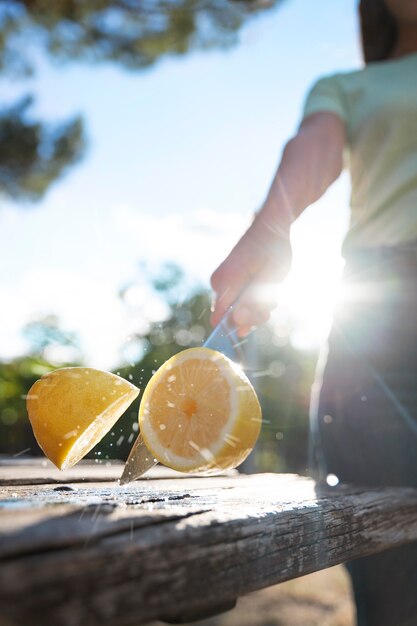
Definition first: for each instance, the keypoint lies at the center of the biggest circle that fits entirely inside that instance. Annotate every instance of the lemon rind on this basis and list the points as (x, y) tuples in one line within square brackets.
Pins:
[(216, 458)]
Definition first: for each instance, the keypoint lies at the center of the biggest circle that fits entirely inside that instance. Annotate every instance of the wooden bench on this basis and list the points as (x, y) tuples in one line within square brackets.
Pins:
[(77, 548)]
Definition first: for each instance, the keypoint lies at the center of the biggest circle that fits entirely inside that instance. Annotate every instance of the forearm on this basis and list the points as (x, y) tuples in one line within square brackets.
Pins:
[(311, 162)]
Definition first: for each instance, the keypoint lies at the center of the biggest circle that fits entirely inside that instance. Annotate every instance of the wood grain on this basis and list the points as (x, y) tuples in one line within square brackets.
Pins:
[(170, 548)]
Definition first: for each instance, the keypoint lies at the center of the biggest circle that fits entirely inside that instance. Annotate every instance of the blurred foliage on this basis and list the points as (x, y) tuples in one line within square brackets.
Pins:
[(134, 35), (281, 375), (45, 337), (33, 154), (282, 378), (16, 378)]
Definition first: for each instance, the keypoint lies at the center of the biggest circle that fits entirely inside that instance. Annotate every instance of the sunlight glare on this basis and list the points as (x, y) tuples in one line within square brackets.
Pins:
[(309, 294)]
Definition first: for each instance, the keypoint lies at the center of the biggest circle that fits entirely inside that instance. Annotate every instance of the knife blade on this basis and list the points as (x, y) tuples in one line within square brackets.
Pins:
[(139, 461), (224, 339)]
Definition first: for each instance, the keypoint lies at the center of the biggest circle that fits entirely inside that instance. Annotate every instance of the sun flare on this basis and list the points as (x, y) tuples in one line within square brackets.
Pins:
[(308, 296)]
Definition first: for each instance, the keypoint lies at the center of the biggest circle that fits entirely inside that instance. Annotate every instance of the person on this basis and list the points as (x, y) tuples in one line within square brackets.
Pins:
[(364, 398)]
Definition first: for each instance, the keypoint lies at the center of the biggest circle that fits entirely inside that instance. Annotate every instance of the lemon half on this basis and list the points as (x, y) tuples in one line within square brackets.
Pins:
[(71, 409), (199, 412)]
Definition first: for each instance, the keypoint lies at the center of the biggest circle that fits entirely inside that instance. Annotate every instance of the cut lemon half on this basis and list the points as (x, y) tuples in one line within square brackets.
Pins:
[(199, 412), (72, 408)]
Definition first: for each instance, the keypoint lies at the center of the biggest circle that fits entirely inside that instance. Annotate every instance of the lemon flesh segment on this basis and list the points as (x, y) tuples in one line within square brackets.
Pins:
[(71, 409), (199, 412)]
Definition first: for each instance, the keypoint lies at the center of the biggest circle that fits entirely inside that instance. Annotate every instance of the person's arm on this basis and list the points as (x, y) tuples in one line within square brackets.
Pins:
[(311, 161)]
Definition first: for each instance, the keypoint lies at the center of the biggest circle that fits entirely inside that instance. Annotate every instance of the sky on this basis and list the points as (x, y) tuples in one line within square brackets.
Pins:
[(179, 157)]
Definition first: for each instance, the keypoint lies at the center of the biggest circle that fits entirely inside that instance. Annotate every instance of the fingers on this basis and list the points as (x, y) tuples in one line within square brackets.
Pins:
[(235, 273), (250, 273), (253, 306), (228, 281)]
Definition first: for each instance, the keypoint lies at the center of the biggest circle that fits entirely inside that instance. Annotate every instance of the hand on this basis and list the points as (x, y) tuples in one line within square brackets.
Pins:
[(311, 161), (259, 261)]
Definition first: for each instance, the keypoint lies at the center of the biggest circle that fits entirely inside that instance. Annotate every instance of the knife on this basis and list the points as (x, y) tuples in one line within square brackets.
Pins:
[(224, 339)]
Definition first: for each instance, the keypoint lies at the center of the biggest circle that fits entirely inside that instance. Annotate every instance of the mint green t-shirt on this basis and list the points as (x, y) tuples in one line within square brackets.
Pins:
[(378, 106)]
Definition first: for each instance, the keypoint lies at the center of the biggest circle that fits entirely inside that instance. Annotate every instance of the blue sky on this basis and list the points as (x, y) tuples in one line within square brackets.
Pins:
[(179, 157)]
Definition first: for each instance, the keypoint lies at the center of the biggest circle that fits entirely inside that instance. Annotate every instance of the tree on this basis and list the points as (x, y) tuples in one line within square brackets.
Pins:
[(133, 34), (45, 335), (33, 154)]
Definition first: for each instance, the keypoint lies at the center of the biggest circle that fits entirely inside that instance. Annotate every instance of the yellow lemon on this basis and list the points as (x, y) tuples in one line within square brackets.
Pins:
[(199, 412), (72, 408)]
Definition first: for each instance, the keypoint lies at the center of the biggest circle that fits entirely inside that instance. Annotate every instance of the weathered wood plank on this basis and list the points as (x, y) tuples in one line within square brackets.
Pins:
[(43, 472), (119, 556)]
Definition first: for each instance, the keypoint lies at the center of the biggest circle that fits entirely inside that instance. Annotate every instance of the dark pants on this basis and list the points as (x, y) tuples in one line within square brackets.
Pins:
[(364, 413)]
